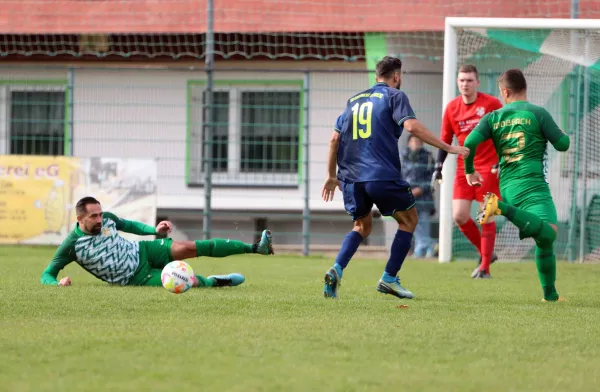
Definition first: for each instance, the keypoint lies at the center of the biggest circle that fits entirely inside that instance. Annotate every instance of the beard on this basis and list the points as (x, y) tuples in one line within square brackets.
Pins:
[(96, 229)]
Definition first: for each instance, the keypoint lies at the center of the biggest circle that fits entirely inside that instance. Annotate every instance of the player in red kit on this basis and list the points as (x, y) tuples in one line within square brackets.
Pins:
[(460, 117)]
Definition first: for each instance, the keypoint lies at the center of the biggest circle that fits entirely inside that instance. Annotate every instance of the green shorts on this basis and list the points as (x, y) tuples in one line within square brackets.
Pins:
[(535, 199), (154, 255)]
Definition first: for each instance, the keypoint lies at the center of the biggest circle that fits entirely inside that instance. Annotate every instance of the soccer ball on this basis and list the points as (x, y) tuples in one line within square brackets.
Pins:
[(177, 277)]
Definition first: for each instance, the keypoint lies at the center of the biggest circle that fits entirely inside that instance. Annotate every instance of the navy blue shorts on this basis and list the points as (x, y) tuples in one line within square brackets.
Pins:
[(388, 196)]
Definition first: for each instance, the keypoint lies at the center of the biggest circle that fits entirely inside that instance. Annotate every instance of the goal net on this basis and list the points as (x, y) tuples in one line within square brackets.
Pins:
[(560, 59)]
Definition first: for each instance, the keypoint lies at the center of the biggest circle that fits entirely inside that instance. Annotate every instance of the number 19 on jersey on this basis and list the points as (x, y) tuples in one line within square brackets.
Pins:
[(361, 115)]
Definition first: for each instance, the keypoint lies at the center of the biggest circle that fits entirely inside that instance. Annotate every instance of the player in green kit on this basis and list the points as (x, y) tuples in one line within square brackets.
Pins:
[(96, 245), (520, 132)]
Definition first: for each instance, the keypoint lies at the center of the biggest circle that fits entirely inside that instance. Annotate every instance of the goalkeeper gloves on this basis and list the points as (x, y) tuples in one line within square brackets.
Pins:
[(436, 178), (495, 169)]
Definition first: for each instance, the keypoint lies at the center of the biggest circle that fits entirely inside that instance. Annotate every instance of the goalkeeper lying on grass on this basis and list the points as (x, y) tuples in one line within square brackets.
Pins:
[(96, 245)]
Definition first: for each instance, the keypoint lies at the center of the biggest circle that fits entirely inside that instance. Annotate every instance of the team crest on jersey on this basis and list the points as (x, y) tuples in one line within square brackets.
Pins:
[(480, 111), (106, 231)]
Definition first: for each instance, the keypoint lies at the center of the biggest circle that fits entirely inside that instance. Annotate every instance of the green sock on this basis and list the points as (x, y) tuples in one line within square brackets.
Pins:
[(204, 282), (545, 261), (221, 248), (529, 224)]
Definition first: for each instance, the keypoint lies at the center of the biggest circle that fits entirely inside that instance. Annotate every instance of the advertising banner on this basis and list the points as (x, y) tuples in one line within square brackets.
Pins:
[(38, 193)]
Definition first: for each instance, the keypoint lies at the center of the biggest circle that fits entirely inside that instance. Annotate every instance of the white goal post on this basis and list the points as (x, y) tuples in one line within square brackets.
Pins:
[(563, 45)]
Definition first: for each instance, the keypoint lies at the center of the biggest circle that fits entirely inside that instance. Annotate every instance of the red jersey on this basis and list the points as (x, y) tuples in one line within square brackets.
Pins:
[(460, 119)]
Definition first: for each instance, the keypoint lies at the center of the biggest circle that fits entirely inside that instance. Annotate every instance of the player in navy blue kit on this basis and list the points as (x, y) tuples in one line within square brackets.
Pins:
[(364, 145)]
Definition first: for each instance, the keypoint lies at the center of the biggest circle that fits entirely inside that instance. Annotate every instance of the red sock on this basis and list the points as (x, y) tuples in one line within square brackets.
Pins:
[(488, 239), (471, 231)]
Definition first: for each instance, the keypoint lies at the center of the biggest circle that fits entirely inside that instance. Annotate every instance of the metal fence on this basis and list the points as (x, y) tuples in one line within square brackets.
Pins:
[(258, 158), (265, 155)]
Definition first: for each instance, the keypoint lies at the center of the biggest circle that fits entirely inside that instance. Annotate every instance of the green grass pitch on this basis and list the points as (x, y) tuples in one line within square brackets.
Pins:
[(276, 332)]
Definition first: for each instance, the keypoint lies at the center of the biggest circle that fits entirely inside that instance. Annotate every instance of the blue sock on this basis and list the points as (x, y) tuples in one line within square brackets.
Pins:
[(349, 247), (387, 278), (400, 248)]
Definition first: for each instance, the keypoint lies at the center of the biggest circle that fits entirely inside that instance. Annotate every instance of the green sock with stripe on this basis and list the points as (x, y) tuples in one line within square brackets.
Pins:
[(204, 282), (545, 261), (221, 248), (544, 235)]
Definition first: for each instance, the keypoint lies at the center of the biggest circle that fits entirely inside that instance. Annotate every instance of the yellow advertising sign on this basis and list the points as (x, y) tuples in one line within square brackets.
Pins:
[(38, 193), (34, 195)]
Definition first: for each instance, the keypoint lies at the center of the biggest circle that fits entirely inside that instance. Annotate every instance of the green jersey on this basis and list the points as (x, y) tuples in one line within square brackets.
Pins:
[(520, 132), (107, 255)]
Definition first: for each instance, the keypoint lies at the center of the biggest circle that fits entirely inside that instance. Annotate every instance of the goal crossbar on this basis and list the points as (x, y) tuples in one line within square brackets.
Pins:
[(452, 25), (522, 23)]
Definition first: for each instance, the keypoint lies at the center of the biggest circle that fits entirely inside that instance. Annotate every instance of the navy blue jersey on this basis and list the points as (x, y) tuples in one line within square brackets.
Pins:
[(369, 130)]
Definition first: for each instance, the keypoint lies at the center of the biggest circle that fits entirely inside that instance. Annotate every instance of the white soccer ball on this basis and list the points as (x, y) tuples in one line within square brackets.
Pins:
[(177, 277)]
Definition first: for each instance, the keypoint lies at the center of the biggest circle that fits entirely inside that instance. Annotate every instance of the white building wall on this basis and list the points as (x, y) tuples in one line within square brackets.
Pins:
[(143, 113)]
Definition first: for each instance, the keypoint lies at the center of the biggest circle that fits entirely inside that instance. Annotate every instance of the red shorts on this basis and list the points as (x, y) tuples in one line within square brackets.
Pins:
[(464, 191)]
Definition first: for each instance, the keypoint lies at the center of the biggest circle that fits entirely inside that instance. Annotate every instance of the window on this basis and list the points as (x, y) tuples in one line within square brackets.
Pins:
[(36, 121), (256, 134), (220, 139), (270, 131)]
